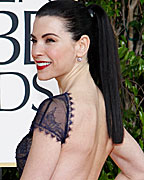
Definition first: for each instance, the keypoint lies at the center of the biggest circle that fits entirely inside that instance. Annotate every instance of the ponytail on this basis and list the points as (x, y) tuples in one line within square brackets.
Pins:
[(105, 70)]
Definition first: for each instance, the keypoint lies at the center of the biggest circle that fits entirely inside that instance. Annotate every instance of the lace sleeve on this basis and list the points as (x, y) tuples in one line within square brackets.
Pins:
[(54, 118), (51, 118)]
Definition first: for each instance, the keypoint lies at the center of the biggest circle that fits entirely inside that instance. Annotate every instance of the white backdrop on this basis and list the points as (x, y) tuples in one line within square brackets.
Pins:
[(15, 124)]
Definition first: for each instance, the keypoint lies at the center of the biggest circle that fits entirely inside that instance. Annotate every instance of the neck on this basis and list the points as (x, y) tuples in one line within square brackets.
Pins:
[(75, 79)]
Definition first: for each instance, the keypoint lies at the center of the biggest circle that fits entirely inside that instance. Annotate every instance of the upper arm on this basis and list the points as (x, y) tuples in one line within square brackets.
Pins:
[(49, 127), (129, 157), (43, 157)]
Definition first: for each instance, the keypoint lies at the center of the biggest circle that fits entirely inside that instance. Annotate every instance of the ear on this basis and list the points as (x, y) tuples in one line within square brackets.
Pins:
[(82, 46)]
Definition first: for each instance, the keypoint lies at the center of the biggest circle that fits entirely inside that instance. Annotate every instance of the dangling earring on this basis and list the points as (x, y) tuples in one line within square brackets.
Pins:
[(79, 59)]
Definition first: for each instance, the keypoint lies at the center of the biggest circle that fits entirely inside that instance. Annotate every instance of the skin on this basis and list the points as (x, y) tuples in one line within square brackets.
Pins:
[(85, 151)]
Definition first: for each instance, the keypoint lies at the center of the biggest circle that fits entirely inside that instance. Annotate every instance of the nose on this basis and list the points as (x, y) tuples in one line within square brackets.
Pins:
[(37, 50)]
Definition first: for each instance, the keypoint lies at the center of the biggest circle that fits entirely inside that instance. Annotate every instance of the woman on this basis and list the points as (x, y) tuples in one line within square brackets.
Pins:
[(73, 133)]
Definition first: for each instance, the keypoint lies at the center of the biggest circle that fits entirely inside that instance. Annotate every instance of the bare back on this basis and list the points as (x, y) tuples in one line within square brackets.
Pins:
[(85, 151)]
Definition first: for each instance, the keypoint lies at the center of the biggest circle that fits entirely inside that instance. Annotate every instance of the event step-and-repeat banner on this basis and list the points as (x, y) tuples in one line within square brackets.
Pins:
[(20, 90)]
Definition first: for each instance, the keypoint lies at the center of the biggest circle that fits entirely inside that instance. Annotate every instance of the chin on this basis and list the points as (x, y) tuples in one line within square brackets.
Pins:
[(43, 78)]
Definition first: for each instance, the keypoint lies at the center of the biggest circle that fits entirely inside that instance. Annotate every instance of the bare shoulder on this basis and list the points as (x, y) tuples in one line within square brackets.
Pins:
[(89, 121), (91, 103)]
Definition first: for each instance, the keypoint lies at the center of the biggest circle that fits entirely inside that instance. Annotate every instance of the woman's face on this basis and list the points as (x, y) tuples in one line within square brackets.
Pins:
[(53, 48)]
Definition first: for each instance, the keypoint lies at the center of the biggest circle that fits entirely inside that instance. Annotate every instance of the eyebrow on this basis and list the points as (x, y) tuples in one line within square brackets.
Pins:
[(47, 34)]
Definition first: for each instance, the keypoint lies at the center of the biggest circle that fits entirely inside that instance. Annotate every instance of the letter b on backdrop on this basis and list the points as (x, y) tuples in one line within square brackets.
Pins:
[(15, 43)]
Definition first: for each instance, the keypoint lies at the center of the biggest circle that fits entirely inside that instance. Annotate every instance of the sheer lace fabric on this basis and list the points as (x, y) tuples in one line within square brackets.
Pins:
[(54, 118)]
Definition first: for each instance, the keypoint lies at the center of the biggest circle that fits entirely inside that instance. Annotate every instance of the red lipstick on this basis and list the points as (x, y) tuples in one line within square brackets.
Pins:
[(42, 64)]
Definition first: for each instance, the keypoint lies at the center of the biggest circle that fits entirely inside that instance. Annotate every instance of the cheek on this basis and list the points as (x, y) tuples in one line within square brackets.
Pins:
[(61, 54), (32, 51), (55, 53)]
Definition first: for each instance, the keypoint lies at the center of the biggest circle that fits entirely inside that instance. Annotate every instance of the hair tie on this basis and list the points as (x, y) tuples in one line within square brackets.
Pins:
[(91, 12)]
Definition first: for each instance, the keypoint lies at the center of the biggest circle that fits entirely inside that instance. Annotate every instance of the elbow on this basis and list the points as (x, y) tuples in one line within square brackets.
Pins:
[(141, 176), (138, 176)]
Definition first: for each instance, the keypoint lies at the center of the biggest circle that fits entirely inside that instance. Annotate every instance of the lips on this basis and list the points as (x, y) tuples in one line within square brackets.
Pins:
[(42, 64)]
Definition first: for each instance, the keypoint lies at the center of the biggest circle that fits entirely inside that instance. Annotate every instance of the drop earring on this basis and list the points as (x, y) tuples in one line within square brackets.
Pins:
[(79, 59)]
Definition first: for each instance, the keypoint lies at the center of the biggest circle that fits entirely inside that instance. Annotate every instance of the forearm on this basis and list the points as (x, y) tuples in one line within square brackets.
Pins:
[(121, 176), (130, 159)]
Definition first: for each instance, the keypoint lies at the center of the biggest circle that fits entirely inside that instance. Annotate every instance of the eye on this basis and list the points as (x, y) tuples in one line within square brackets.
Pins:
[(49, 40), (33, 40)]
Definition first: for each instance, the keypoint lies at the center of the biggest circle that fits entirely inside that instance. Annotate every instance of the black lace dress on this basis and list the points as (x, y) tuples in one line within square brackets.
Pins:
[(54, 118)]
